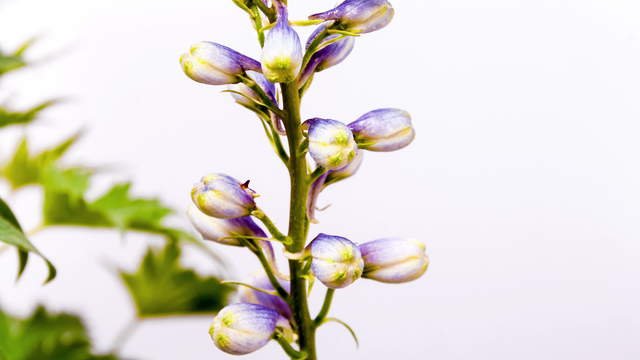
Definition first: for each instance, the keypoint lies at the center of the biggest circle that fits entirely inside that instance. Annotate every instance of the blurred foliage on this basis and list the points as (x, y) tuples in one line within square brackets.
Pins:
[(45, 336), (161, 286), (24, 169), (15, 60), (11, 233), (15, 117)]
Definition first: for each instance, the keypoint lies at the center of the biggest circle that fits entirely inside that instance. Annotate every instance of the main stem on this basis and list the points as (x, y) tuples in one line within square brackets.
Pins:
[(298, 221)]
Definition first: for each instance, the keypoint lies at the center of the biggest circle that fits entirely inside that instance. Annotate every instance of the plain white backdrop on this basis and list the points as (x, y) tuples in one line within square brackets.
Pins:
[(522, 181)]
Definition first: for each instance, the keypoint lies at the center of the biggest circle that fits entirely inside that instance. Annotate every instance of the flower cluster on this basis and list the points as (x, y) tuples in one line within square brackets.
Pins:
[(273, 306)]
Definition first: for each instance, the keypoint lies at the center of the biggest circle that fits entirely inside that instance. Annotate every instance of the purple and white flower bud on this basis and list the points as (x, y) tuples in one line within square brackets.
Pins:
[(244, 95), (223, 231), (215, 64), (359, 16), (328, 56), (394, 260), (274, 302), (282, 52), (383, 130), (240, 329), (331, 143), (223, 197), (336, 261), (347, 171)]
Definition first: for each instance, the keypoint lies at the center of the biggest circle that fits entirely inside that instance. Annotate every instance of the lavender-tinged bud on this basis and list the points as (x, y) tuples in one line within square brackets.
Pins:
[(223, 197), (215, 64), (359, 16), (223, 231), (244, 95), (240, 329), (331, 143), (282, 52), (328, 178), (274, 302), (347, 171), (383, 130), (328, 56), (394, 260), (336, 261)]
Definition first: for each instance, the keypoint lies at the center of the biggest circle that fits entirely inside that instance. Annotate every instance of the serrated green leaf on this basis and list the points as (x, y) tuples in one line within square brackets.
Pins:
[(60, 208), (14, 117), (162, 287), (73, 181), (125, 212), (11, 233), (45, 336), (23, 169)]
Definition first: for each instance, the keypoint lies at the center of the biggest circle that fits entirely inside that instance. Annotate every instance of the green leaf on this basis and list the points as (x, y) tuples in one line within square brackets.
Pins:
[(45, 336), (11, 233), (15, 61), (162, 287), (23, 169), (125, 212), (14, 117)]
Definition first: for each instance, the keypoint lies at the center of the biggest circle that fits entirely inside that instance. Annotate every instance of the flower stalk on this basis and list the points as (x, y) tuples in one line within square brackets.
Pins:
[(275, 307), (298, 220)]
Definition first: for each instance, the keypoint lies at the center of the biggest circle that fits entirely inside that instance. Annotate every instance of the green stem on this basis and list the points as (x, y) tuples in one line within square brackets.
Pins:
[(269, 271), (269, 12), (316, 174), (273, 229), (293, 353), (124, 335), (238, 283), (326, 305), (298, 221)]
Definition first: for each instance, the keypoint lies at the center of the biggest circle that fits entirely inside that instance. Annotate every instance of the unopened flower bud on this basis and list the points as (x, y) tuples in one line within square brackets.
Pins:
[(223, 197), (331, 143), (224, 231), (336, 261), (282, 52), (241, 329), (359, 16), (383, 130), (328, 56), (261, 281), (346, 171), (215, 64), (246, 96), (394, 260)]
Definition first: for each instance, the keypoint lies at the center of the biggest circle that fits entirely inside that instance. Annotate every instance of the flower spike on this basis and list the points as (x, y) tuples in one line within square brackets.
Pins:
[(359, 16), (215, 64)]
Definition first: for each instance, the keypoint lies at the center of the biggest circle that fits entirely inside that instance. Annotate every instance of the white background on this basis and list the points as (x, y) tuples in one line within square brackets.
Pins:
[(522, 181)]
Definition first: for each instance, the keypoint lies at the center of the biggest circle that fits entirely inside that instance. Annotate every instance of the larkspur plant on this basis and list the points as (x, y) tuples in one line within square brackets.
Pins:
[(274, 306)]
